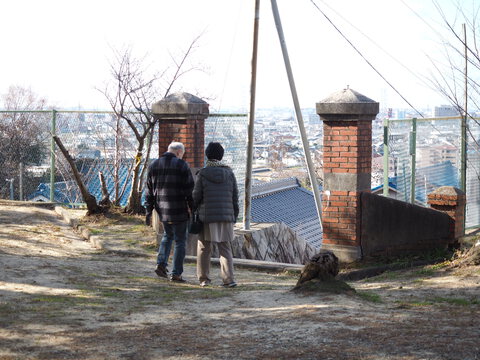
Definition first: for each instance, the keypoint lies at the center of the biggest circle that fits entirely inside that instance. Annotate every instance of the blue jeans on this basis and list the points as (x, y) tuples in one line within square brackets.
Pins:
[(173, 232)]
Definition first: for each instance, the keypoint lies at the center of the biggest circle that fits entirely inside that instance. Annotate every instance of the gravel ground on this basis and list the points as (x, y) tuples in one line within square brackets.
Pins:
[(61, 298)]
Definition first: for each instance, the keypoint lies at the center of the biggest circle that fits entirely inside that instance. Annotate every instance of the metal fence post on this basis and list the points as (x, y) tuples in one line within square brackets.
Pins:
[(463, 155), (413, 154), (52, 156), (463, 164), (20, 182), (12, 193), (385, 157)]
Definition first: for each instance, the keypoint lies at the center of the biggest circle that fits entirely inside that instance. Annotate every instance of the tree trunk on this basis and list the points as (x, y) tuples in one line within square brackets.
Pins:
[(105, 202), (117, 163), (147, 158), (92, 206), (134, 205)]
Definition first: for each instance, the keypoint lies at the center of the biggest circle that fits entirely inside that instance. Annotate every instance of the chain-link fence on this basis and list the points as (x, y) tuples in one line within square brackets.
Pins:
[(278, 148), (24, 152), (230, 130), (32, 167), (425, 154), (473, 173)]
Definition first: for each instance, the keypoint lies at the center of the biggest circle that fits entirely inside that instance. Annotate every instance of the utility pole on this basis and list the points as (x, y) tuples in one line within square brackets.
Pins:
[(306, 149), (251, 120)]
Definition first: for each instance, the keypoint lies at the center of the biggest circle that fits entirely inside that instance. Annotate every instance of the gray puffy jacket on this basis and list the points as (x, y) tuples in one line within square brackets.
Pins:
[(216, 194)]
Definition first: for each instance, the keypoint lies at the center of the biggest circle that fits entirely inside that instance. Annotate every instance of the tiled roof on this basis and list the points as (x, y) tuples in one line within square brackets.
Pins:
[(286, 201), (68, 191)]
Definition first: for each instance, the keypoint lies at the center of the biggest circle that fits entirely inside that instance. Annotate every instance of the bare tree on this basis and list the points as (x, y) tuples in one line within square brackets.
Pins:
[(449, 76), (23, 132), (89, 199), (457, 78), (131, 94)]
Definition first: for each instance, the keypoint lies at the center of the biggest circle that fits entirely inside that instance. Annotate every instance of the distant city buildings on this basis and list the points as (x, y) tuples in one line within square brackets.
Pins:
[(445, 111), (278, 149)]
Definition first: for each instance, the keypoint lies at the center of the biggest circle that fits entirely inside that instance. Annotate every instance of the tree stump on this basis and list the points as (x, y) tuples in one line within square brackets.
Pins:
[(318, 275)]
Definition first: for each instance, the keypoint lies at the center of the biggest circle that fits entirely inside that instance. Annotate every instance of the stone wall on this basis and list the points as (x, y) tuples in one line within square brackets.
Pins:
[(274, 242)]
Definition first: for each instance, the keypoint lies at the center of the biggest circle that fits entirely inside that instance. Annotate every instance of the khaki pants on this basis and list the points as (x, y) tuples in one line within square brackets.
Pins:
[(204, 250)]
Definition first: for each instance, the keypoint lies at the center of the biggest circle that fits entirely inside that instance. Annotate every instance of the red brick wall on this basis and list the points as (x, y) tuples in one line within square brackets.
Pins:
[(450, 201), (341, 219), (347, 149), (190, 132)]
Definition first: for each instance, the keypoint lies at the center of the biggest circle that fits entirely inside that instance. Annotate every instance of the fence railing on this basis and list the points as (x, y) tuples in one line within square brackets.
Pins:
[(32, 168), (421, 155)]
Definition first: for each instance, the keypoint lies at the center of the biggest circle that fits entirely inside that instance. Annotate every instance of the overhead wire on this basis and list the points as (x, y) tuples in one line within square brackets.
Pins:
[(367, 61), (377, 71), (375, 43), (364, 58), (442, 14), (440, 36)]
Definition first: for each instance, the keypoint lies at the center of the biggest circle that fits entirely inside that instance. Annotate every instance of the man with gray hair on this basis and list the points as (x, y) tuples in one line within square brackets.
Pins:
[(169, 195)]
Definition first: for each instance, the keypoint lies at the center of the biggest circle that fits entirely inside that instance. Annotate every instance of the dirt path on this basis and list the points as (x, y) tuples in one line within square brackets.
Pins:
[(60, 298)]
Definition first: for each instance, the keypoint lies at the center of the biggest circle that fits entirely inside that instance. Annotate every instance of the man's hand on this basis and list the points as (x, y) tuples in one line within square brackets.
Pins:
[(148, 220)]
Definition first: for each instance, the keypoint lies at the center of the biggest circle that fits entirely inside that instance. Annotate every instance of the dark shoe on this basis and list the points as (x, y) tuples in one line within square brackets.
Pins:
[(161, 271), (230, 285), (205, 283), (177, 278)]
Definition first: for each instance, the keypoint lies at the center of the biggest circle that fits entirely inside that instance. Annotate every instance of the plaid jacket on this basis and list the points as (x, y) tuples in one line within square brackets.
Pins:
[(169, 188)]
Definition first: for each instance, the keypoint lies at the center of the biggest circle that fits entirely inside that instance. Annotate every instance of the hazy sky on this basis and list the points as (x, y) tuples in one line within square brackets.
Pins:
[(61, 49)]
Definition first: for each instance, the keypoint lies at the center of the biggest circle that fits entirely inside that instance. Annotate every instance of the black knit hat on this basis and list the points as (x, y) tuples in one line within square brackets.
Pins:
[(214, 151)]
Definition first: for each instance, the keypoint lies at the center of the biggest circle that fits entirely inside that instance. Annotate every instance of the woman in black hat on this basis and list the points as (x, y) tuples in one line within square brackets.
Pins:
[(216, 199)]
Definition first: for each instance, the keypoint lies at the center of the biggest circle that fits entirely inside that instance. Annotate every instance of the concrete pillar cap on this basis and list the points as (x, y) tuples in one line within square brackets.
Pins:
[(347, 102), (447, 191), (181, 103)]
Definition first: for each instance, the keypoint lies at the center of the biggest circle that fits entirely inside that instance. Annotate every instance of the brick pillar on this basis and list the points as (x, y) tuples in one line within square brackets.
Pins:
[(182, 118), (451, 201), (347, 165)]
